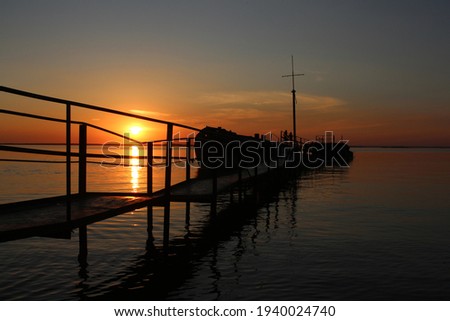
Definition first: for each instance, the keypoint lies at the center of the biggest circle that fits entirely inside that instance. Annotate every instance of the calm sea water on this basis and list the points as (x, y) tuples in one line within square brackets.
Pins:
[(378, 230)]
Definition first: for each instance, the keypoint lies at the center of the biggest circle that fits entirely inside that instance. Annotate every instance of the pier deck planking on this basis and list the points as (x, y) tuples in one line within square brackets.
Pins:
[(49, 215)]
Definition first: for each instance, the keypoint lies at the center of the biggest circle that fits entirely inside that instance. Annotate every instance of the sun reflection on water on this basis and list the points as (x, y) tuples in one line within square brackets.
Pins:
[(134, 168)]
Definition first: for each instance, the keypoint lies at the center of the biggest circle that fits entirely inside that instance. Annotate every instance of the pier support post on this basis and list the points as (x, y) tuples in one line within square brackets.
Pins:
[(240, 185), (83, 248), (150, 237), (188, 214), (214, 194), (166, 232), (255, 186)]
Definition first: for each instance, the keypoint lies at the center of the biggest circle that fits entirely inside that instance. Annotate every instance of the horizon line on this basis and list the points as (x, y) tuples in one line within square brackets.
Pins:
[(353, 146)]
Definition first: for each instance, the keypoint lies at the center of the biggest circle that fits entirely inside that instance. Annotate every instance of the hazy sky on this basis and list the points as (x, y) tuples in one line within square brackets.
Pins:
[(377, 72)]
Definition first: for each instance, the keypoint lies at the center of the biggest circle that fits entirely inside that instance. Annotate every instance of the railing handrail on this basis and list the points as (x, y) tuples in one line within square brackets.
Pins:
[(89, 106), (26, 150), (82, 151), (59, 120)]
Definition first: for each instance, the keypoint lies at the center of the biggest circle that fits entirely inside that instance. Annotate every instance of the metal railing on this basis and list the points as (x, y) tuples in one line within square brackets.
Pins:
[(83, 142)]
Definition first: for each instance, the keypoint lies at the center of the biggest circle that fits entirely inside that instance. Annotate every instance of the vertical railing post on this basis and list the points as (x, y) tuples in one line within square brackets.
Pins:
[(188, 159), (168, 178), (168, 173), (188, 177), (149, 192), (82, 146), (149, 168), (127, 154), (68, 162)]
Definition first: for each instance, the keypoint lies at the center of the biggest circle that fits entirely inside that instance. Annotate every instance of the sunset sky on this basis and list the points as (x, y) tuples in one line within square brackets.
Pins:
[(376, 72)]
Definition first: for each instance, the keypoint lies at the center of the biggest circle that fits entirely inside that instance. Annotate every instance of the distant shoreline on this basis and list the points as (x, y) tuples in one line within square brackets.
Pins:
[(405, 147), (352, 146)]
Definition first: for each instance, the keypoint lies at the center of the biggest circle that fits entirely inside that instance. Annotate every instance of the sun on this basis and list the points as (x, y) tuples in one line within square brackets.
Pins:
[(135, 130)]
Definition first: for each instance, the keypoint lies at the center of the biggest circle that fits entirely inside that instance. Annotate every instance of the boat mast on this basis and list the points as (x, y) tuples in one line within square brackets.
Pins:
[(294, 99)]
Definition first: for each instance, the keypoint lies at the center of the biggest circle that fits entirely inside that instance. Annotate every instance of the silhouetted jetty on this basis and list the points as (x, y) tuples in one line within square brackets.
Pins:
[(257, 158)]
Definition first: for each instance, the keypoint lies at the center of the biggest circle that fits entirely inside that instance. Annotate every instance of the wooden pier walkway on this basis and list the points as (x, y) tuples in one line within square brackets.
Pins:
[(59, 216), (48, 216), (203, 189)]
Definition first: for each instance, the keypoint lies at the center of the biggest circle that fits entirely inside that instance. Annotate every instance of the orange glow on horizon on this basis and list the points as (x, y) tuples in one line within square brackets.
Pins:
[(361, 126)]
